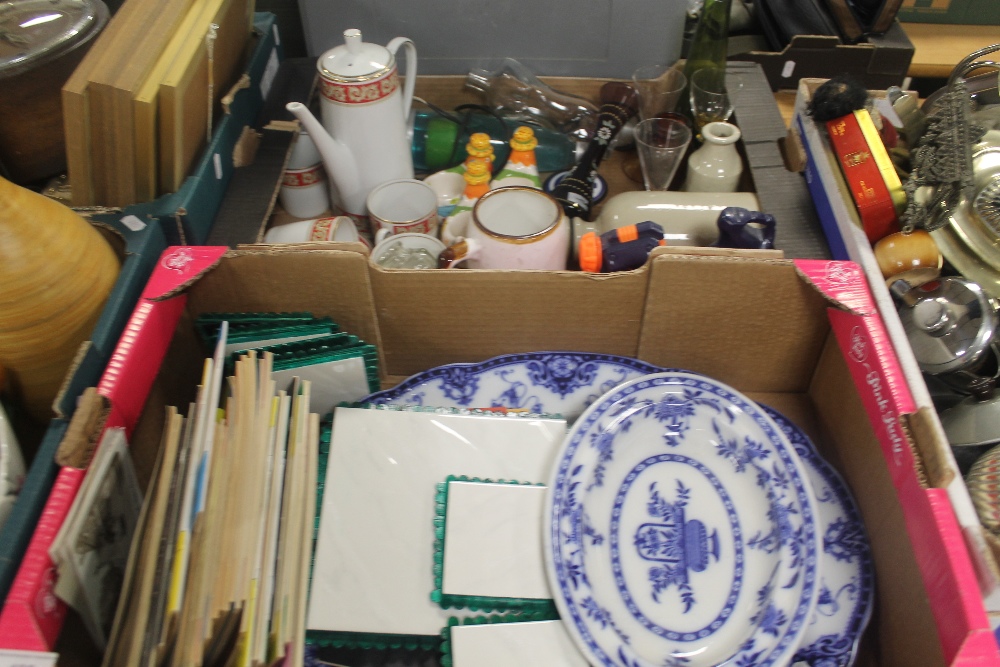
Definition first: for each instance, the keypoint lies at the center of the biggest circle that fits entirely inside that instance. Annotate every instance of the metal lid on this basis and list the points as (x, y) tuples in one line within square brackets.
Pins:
[(355, 60), (34, 31), (950, 326)]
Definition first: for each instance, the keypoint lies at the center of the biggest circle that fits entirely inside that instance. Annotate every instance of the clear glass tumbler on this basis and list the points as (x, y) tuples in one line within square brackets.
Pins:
[(713, 95), (660, 87)]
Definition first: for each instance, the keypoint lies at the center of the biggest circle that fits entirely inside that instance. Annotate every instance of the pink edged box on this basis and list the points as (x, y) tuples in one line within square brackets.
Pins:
[(802, 336)]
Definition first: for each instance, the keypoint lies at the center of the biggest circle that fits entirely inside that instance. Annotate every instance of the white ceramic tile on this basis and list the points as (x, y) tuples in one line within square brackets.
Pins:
[(265, 342), (333, 382), (374, 554), (535, 644), (493, 541)]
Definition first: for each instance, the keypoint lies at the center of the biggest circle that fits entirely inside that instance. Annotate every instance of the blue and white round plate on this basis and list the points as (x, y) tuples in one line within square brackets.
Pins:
[(563, 383), (846, 591), (680, 529)]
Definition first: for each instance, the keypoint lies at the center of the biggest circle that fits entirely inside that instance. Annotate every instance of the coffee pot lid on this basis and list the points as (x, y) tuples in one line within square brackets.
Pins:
[(34, 31), (355, 60), (950, 325)]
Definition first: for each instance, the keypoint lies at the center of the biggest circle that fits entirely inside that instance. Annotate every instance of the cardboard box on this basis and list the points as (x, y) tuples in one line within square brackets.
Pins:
[(878, 62), (976, 12), (781, 192), (803, 336), (847, 241)]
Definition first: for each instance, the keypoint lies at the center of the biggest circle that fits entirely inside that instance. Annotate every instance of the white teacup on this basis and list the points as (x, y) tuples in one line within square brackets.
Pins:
[(340, 229), (403, 206), (304, 152), (304, 192), (512, 227)]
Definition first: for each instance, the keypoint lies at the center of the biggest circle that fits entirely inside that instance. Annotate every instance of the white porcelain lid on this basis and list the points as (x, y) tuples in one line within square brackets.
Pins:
[(354, 59)]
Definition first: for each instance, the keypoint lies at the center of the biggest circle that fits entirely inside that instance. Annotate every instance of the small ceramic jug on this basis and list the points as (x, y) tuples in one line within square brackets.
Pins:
[(716, 166), (740, 228)]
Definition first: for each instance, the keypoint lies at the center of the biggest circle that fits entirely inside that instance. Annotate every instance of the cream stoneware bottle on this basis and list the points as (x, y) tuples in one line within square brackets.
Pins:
[(716, 166)]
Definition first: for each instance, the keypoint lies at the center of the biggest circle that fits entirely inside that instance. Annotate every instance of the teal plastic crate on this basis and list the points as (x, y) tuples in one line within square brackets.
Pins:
[(182, 217), (187, 215)]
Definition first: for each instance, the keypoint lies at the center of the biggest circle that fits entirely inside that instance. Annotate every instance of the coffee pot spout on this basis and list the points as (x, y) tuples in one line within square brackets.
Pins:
[(339, 161)]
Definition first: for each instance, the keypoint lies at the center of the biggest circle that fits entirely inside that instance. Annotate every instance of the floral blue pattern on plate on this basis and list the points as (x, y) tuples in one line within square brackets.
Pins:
[(680, 529), (563, 383), (846, 571)]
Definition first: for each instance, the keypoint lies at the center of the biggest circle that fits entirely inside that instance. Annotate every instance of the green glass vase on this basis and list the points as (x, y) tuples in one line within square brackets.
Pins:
[(710, 43)]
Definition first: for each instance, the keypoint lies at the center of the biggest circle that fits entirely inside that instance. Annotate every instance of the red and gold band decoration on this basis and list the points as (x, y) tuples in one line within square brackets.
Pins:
[(301, 178), (322, 229), (362, 92), (422, 226)]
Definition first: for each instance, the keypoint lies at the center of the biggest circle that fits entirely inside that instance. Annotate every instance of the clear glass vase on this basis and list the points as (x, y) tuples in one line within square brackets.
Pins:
[(710, 44), (515, 91)]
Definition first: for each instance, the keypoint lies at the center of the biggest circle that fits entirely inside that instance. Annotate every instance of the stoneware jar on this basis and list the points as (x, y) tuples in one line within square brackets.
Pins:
[(56, 271), (716, 166)]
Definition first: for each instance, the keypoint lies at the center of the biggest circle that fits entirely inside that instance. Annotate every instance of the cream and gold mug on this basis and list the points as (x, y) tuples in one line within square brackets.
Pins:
[(512, 227), (403, 206)]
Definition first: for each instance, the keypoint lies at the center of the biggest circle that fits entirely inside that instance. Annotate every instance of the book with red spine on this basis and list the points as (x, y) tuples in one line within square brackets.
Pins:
[(871, 178)]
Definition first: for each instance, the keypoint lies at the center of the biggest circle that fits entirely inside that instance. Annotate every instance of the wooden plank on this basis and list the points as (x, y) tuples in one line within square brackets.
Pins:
[(112, 86), (191, 88), (76, 115), (939, 47), (145, 109)]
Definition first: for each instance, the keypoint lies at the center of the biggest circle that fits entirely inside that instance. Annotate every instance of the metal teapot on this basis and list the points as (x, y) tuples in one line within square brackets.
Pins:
[(363, 137), (951, 325)]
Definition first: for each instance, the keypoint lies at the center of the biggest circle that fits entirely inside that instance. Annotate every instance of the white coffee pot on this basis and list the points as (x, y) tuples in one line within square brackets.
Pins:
[(363, 137)]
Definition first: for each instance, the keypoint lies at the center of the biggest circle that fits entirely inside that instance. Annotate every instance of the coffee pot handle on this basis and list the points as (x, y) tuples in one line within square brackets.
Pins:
[(411, 69)]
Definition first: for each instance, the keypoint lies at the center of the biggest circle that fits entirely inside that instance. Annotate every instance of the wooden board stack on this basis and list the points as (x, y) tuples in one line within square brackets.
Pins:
[(139, 107)]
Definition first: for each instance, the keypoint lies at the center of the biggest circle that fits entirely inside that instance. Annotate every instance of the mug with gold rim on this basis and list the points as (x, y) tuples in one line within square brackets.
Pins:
[(404, 205), (513, 227)]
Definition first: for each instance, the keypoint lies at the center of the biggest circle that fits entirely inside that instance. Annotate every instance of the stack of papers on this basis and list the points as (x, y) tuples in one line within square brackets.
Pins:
[(218, 571)]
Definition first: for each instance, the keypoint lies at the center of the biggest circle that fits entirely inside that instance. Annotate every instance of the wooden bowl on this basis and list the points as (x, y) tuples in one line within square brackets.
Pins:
[(56, 271), (912, 257)]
